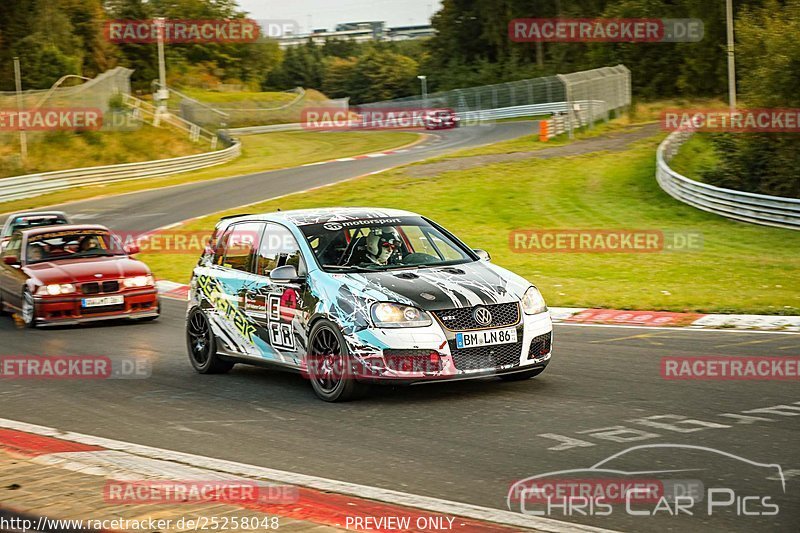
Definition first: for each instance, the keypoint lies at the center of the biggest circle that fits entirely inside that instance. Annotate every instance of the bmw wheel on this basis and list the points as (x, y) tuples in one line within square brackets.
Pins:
[(330, 367), (28, 309), (202, 345)]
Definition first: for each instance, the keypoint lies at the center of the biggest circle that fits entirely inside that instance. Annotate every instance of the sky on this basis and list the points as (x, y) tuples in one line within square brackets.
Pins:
[(328, 13)]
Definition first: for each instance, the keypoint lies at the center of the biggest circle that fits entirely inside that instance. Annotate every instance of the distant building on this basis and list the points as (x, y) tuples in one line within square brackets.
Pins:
[(359, 32)]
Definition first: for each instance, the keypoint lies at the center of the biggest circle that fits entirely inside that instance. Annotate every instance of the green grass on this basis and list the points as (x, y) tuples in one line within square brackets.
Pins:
[(227, 97), (268, 151), (63, 150), (741, 268), (695, 156)]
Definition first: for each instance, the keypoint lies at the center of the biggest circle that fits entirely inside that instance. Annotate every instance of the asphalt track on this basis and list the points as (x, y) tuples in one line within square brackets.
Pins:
[(602, 394)]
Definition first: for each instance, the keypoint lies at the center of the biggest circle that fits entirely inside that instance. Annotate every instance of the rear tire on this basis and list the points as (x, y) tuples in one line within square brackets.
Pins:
[(202, 345), (330, 366), (522, 376)]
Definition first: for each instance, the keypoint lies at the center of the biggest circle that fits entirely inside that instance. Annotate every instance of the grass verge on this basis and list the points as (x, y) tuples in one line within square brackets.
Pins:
[(695, 156), (61, 150), (268, 151), (741, 268)]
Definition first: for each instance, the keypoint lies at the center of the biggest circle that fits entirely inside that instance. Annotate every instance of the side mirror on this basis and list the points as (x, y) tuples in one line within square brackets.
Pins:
[(12, 260), (284, 274), (131, 249), (483, 255)]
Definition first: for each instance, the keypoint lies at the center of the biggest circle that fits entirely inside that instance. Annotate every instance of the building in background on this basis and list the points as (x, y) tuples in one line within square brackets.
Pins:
[(360, 32)]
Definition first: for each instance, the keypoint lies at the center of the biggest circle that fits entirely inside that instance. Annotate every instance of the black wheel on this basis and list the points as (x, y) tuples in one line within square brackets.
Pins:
[(28, 309), (202, 345), (330, 367), (522, 376), (3, 311)]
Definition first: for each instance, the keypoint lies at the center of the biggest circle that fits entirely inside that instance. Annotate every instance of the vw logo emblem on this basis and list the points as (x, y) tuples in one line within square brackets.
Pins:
[(482, 316), (332, 226), (98, 275)]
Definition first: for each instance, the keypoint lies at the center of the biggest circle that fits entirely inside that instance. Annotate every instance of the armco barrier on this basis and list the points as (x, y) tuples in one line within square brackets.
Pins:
[(36, 184), (739, 205)]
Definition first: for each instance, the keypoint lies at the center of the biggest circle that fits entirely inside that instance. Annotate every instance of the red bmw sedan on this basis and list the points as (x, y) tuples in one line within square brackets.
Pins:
[(73, 274)]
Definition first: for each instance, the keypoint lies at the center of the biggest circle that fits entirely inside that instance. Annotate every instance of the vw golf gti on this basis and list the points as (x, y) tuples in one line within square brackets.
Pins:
[(358, 296)]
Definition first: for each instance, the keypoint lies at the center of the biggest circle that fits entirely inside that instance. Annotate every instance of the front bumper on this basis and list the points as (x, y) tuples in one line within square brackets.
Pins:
[(374, 348), (52, 310)]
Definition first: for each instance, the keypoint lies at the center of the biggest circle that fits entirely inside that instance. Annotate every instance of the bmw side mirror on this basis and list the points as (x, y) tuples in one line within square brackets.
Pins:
[(483, 255), (285, 274)]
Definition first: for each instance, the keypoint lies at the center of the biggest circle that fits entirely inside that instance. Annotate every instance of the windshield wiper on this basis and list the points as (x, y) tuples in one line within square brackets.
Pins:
[(348, 268)]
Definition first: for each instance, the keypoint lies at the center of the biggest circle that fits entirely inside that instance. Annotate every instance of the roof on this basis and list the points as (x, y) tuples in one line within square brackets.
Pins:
[(304, 217), (63, 227)]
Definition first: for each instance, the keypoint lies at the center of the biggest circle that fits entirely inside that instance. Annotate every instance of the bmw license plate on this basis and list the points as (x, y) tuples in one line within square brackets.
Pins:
[(102, 301), (487, 337)]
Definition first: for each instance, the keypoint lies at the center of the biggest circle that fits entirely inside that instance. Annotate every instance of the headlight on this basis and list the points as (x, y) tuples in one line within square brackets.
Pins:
[(138, 281), (389, 315), (56, 289), (532, 302)]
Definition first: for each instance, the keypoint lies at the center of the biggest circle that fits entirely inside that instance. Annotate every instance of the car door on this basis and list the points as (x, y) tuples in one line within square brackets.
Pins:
[(285, 304), (12, 277), (231, 278)]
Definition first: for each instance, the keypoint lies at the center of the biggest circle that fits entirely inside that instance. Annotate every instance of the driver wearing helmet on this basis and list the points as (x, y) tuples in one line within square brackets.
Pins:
[(90, 242), (381, 244)]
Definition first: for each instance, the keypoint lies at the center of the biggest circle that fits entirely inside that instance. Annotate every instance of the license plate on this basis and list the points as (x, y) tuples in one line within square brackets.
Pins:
[(487, 337), (103, 301)]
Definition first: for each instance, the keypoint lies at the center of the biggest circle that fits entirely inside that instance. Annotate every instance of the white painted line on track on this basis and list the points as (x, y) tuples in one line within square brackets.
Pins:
[(437, 505)]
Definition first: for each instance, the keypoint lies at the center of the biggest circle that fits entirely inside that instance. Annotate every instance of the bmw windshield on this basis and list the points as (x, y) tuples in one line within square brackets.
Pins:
[(383, 244)]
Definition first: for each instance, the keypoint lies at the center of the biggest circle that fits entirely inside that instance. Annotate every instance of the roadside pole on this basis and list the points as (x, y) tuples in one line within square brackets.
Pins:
[(23, 140)]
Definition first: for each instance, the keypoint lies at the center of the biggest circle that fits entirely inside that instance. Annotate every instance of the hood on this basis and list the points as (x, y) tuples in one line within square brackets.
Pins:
[(83, 270), (436, 288)]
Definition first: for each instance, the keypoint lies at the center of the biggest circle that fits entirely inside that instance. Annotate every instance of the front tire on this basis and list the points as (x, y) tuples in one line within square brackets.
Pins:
[(28, 309), (522, 376), (330, 367), (202, 345)]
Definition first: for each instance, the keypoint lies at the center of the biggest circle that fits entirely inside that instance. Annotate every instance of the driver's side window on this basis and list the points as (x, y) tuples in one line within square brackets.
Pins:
[(14, 246), (278, 248)]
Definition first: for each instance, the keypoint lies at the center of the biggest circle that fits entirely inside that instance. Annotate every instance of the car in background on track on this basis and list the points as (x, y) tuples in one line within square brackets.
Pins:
[(72, 274), (440, 119), (30, 219), (357, 296)]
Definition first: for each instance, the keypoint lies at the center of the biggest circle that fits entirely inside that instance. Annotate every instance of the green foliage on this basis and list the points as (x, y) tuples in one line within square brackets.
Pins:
[(768, 67)]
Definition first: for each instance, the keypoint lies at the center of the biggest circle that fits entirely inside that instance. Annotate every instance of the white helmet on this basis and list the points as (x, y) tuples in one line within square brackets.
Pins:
[(381, 244)]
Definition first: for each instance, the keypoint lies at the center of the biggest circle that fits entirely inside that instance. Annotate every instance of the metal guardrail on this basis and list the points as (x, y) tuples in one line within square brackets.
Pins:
[(35, 184), (739, 205)]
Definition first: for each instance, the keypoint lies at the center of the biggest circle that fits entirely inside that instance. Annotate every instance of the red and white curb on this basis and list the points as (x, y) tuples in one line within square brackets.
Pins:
[(357, 157), (615, 317), (321, 501), (578, 315)]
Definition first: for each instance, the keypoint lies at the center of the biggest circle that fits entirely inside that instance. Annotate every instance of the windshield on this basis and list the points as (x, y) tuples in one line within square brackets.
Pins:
[(25, 222), (59, 245), (372, 244)]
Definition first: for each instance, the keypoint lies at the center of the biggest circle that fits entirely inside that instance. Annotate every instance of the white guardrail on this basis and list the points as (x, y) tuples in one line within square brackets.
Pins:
[(35, 184), (745, 206)]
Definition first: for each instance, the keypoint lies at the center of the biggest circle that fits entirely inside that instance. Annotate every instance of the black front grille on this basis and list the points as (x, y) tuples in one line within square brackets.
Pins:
[(95, 287), (90, 288), (412, 360), (102, 309), (111, 286), (486, 357), (540, 346), (461, 319)]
